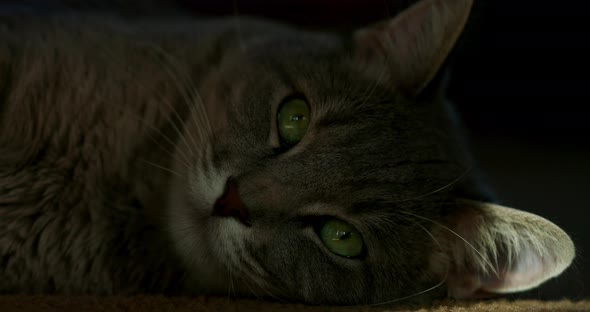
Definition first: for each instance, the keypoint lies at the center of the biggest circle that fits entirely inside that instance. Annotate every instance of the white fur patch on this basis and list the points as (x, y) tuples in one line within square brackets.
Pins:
[(207, 187)]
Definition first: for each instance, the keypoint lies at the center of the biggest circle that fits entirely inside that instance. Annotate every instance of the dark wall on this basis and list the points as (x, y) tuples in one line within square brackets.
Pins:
[(522, 86)]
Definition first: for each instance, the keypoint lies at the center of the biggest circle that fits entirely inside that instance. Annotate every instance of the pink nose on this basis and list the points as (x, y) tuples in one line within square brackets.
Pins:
[(230, 204)]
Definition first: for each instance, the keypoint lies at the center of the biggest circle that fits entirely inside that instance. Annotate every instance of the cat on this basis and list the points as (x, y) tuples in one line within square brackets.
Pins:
[(186, 156)]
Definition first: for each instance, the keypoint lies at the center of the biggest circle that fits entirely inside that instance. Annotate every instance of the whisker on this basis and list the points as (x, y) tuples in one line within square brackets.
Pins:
[(184, 230), (230, 287), (175, 74), (184, 163), (167, 103), (440, 189), (249, 285), (261, 285), (425, 230), (185, 159), (413, 295), (460, 237), (128, 70), (436, 241), (162, 167)]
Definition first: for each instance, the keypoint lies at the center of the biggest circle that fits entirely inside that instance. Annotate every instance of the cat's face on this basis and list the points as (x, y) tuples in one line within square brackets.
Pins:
[(365, 153), (318, 177)]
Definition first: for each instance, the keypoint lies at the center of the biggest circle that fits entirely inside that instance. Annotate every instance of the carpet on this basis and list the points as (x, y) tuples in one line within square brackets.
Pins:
[(205, 304)]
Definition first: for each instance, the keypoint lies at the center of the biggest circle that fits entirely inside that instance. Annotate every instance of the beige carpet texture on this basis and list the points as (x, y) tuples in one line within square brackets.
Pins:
[(205, 304)]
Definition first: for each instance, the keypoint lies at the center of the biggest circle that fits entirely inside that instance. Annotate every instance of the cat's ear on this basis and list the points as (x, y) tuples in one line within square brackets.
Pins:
[(492, 249), (409, 49)]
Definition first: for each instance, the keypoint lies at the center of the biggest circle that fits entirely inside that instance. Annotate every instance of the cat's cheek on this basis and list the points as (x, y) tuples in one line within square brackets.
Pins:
[(212, 104)]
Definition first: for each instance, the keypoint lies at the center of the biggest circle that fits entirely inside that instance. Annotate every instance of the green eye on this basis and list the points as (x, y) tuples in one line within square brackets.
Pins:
[(293, 120), (341, 238)]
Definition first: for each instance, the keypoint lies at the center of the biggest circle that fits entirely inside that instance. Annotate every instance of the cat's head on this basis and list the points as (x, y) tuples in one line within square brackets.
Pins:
[(324, 173)]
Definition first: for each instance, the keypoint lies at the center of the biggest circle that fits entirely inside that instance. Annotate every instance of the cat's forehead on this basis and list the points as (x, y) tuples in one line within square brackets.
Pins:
[(331, 81), (324, 70)]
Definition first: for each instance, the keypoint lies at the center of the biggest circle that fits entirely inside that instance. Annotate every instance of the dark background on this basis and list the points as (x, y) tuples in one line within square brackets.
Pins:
[(521, 84)]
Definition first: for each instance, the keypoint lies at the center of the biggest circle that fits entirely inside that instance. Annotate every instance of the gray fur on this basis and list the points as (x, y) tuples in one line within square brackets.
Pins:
[(117, 137)]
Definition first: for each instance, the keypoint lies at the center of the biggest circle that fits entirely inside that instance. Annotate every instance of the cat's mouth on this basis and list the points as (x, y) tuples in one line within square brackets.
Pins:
[(229, 204)]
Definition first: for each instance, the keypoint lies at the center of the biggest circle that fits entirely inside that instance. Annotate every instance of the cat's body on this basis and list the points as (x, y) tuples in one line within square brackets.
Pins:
[(118, 139)]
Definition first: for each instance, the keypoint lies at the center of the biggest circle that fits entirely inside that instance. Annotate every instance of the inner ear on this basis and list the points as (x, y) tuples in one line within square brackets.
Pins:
[(488, 248), (409, 49)]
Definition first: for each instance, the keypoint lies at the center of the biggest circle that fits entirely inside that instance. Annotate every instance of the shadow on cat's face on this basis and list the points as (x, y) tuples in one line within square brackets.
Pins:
[(356, 208)]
